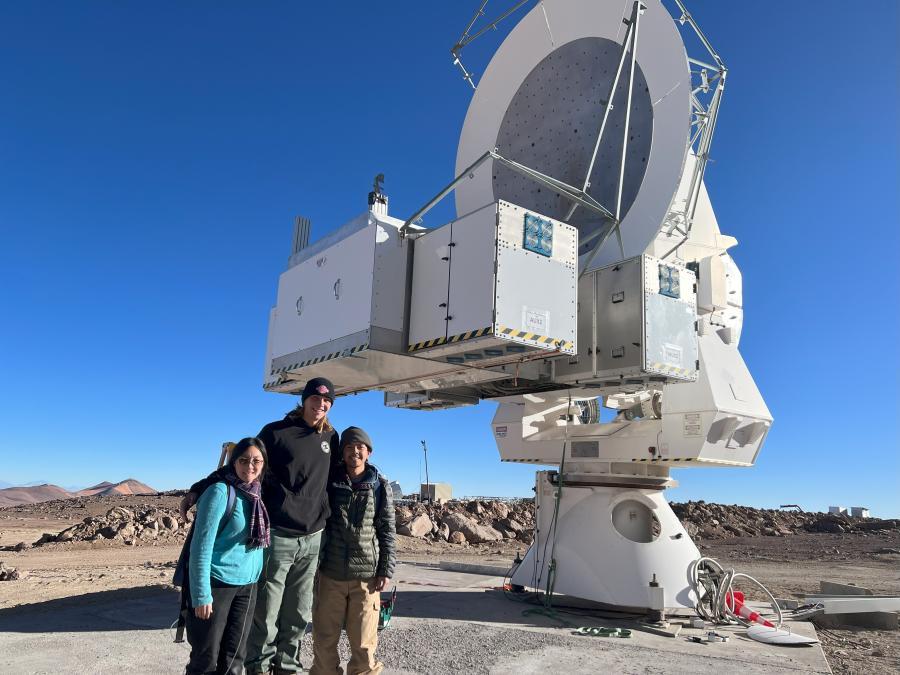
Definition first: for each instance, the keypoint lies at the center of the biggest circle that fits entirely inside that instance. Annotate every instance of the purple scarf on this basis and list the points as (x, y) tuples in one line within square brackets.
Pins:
[(259, 518)]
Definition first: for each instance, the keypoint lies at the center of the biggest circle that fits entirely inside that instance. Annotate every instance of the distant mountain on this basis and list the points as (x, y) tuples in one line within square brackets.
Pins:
[(4, 484), (31, 494), (129, 486)]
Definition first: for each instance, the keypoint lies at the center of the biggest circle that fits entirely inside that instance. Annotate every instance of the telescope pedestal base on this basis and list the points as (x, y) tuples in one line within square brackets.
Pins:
[(608, 543)]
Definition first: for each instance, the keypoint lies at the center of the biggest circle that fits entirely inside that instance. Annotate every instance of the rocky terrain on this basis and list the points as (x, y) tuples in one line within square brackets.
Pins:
[(718, 521), (69, 547), (157, 521)]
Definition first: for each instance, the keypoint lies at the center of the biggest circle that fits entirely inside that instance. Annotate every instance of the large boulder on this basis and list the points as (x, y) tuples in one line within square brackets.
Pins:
[(512, 524), (472, 531), (8, 573), (67, 534), (457, 538), (120, 513), (109, 532), (417, 527)]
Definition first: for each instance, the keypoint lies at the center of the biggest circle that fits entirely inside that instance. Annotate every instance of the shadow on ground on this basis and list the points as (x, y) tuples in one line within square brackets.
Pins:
[(123, 609), (494, 606)]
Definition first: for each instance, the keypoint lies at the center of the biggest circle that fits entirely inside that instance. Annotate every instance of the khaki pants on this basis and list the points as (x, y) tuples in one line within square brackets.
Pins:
[(354, 605)]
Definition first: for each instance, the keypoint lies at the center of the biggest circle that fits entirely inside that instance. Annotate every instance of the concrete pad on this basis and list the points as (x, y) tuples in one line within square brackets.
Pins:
[(835, 588), (444, 622)]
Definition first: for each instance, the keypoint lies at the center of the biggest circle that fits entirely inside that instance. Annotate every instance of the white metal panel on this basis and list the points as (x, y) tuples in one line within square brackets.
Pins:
[(536, 294), (326, 296), (472, 257), (270, 338), (712, 292), (431, 276), (390, 270)]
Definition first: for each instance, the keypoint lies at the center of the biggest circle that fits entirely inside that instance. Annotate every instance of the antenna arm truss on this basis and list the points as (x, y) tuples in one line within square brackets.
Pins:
[(564, 189), (466, 38), (705, 118)]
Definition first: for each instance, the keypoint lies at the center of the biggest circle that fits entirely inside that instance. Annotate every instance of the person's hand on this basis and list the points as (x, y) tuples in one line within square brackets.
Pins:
[(380, 583), (186, 503), (203, 611)]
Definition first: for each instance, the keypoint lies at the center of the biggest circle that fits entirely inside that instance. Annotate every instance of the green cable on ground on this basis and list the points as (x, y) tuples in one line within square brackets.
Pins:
[(551, 567), (600, 631)]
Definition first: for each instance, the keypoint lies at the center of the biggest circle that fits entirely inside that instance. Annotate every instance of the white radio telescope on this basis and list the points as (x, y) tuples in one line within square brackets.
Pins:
[(585, 269)]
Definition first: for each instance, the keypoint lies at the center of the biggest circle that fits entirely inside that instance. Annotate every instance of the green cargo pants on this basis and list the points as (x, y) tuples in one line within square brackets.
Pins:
[(283, 603)]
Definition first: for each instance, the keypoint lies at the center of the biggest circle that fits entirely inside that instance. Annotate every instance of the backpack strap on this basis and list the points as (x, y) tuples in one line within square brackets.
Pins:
[(230, 506)]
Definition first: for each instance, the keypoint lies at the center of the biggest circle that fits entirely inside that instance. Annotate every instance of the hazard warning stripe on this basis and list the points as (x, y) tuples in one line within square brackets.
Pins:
[(540, 339), (662, 459), (670, 369), (435, 342), (321, 359)]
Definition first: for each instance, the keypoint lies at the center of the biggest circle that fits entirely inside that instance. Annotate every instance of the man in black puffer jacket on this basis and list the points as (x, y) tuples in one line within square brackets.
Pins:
[(302, 449), (357, 560)]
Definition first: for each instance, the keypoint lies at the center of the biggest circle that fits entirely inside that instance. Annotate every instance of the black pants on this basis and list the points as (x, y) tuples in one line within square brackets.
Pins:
[(219, 643)]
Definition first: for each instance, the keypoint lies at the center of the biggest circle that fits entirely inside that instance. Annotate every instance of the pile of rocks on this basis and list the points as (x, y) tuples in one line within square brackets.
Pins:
[(144, 524), (471, 522), (718, 521)]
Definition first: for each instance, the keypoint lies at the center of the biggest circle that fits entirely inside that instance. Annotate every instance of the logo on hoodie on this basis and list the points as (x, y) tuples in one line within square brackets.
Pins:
[(326, 446)]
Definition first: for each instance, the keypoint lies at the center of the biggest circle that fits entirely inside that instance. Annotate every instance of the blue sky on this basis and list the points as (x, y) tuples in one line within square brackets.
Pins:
[(153, 156)]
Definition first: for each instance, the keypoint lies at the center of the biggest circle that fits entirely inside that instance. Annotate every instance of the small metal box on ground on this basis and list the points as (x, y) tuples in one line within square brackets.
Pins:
[(636, 321), (494, 285)]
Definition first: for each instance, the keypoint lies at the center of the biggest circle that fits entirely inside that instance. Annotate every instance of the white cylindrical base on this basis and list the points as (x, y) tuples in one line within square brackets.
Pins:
[(608, 542)]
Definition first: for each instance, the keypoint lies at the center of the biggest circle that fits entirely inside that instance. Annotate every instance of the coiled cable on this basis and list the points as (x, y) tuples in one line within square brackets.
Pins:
[(713, 586)]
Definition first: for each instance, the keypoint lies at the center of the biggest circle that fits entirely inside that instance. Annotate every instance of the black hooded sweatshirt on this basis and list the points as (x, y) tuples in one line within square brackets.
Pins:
[(293, 487)]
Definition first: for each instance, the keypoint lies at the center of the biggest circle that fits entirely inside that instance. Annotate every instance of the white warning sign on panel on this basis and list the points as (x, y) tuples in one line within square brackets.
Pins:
[(500, 432), (535, 320), (692, 424), (672, 355)]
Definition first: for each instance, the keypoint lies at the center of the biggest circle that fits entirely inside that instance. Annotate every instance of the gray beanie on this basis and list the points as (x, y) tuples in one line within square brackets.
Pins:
[(356, 435)]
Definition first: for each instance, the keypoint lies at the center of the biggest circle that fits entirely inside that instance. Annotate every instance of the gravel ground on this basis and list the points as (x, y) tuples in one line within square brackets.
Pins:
[(439, 648)]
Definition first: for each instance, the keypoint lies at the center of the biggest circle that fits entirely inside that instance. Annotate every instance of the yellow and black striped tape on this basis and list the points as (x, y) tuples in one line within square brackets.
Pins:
[(540, 339), (321, 359), (662, 367), (435, 342), (663, 459)]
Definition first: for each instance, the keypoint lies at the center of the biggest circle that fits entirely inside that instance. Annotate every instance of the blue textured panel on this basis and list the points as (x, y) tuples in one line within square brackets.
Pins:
[(538, 237), (669, 281)]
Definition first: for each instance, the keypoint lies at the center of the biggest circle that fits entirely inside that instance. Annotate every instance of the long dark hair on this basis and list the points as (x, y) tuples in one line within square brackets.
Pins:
[(245, 444)]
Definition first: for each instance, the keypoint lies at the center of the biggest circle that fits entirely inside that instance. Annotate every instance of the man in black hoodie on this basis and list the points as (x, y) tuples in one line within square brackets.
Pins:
[(302, 448)]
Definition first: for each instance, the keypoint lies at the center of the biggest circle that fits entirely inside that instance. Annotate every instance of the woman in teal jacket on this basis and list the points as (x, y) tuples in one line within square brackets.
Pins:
[(230, 532)]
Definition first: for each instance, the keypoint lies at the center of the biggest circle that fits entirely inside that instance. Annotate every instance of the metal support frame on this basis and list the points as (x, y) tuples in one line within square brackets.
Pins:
[(465, 38), (629, 44), (704, 118), (564, 189)]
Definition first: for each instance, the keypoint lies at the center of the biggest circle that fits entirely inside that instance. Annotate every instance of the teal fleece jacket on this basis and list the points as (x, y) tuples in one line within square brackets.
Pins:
[(226, 557)]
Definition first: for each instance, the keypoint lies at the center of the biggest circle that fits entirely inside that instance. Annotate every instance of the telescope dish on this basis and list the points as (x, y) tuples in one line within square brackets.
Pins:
[(541, 102)]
